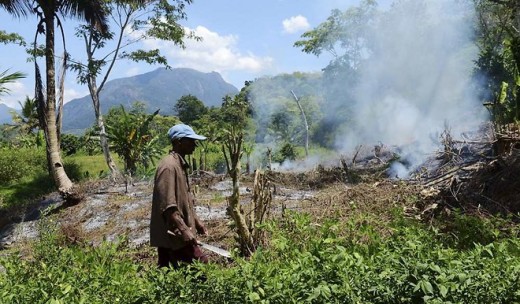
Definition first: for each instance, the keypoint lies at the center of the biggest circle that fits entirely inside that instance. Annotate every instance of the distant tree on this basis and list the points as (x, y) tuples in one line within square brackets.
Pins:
[(27, 121), (287, 152), (70, 144), (282, 124), (189, 108), (90, 142), (160, 126), (237, 111), (344, 35), (136, 20)]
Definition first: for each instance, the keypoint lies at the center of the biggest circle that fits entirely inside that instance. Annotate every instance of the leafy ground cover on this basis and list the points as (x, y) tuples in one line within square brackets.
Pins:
[(304, 262), (346, 243)]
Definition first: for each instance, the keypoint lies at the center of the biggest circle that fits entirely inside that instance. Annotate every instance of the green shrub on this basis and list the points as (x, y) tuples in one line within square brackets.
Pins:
[(21, 163), (74, 171)]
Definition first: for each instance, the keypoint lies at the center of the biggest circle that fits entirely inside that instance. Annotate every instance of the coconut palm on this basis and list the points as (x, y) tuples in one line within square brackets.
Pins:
[(49, 13), (26, 121), (8, 78)]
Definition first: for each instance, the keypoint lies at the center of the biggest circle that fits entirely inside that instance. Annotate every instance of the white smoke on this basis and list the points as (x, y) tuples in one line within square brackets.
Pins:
[(418, 79), (415, 81)]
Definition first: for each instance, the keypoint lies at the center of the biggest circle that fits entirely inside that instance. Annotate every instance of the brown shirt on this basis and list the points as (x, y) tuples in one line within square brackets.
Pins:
[(171, 190)]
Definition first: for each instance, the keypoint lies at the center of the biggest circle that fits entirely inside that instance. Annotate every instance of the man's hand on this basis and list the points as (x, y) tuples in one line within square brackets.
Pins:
[(177, 222), (200, 227), (188, 236)]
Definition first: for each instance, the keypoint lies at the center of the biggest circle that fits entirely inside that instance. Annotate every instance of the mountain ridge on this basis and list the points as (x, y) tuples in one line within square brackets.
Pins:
[(158, 89), (5, 114)]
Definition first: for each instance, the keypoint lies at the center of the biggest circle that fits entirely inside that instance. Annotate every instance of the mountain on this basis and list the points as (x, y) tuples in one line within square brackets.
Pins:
[(5, 114), (159, 89)]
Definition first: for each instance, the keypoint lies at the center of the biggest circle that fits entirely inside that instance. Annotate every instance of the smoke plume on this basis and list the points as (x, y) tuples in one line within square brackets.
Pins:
[(416, 79)]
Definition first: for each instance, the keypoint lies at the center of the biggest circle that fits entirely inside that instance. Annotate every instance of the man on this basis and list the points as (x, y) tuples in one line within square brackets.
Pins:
[(174, 222)]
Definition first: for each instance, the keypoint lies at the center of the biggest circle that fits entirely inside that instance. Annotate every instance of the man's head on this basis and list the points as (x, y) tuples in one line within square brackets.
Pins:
[(183, 139)]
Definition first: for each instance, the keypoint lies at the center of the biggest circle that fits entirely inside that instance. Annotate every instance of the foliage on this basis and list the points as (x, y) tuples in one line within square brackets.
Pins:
[(286, 152), (49, 15), (27, 121), (345, 36), (87, 166), (23, 175), (25, 162), (277, 114), (101, 275), (90, 142), (26, 190), (70, 144), (330, 262), (11, 38), (160, 125), (498, 65), (6, 78), (189, 108), (131, 137)]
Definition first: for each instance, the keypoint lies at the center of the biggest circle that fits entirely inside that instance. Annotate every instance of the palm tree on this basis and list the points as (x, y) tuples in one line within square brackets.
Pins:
[(8, 78), (49, 12), (27, 120)]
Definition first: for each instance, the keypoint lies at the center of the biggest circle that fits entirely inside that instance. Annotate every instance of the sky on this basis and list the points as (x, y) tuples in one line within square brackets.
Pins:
[(242, 40)]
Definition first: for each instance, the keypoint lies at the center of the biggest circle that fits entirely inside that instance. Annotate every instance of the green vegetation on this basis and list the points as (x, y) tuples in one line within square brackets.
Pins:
[(334, 262), (132, 138), (24, 176), (20, 172)]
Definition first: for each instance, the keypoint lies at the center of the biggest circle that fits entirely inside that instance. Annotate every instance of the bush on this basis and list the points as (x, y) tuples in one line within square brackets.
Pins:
[(70, 144), (21, 163)]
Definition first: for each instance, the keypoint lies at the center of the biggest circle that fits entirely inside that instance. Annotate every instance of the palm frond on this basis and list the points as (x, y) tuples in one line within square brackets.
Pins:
[(6, 78), (91, 11), (18, 8)]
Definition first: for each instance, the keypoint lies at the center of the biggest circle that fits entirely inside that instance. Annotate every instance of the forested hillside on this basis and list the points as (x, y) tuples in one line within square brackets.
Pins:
[(159, 89)]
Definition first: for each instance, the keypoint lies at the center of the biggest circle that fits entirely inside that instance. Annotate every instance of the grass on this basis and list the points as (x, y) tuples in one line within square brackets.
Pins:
[(91, 166), (30, 187)]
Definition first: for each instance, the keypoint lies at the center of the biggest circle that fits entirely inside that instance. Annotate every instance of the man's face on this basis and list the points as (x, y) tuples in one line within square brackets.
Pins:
[(187, 145)]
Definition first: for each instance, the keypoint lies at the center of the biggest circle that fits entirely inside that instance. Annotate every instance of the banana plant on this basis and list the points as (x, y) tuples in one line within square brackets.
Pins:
[(132, 139)]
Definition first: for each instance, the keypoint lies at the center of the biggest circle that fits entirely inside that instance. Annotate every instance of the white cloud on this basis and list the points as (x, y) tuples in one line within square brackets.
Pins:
[(71, 94), (295, 24), (17, 92), (214, 53)]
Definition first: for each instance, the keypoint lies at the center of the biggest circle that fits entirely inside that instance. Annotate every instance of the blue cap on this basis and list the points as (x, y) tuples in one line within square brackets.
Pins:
[(181, 130)]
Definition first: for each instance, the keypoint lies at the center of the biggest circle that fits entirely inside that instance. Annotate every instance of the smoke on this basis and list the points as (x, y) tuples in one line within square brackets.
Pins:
[(415, 81), (418, 79)]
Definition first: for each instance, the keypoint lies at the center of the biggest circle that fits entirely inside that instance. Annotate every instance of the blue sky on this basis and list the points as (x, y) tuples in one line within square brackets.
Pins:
[(242, 40)]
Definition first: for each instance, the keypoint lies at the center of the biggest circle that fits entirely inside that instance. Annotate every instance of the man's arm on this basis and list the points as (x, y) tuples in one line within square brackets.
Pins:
[(175, 220)]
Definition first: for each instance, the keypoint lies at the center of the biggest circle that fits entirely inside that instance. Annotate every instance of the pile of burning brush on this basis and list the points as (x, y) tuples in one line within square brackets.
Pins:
[(477, 176)]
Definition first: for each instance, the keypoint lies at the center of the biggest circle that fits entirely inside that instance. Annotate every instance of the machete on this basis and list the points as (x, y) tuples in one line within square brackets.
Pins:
[(211, 248)]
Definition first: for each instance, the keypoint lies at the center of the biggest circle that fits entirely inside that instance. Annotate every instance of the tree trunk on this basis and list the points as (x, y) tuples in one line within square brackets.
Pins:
[(305, 124), (55, 163), (233, 145), (103, 139)]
